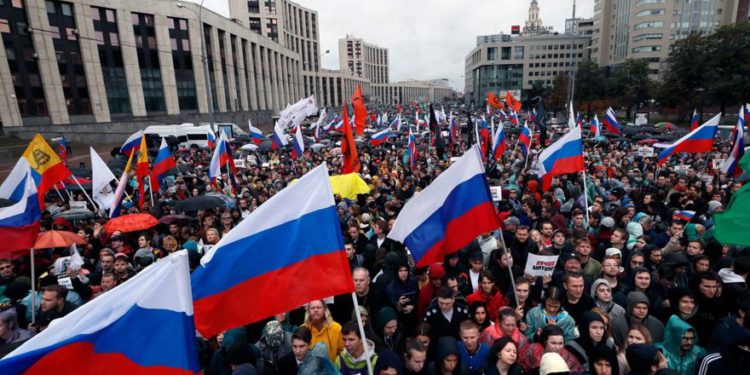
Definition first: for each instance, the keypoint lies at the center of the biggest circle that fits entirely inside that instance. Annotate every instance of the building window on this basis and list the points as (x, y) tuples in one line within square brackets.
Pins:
[(272, 30), (492, 53), (69, 61), (270, 6), (182, 60), (110, 59), (644, 2), (255, 24), (22, 60), (646, 49), (654, 36), (253, 6), (649, 25), (650, 12), (518, 52), (148, 62)]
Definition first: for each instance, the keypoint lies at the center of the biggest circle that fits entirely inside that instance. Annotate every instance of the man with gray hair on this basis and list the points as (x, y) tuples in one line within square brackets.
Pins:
[(367, 296)]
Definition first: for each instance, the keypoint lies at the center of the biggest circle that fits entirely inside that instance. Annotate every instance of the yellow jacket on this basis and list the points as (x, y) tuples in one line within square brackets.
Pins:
[(331, 335)]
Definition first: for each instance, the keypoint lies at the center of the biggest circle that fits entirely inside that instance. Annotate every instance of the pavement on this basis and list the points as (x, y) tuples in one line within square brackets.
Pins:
[(11, 149)]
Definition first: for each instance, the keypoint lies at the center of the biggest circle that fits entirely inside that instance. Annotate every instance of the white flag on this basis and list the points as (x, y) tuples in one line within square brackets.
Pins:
[(101, 176)]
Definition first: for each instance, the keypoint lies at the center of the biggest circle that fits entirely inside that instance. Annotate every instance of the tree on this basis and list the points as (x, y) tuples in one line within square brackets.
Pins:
[(559, 96), (589, 84), (630, 85), (687, 76), (729, 58)]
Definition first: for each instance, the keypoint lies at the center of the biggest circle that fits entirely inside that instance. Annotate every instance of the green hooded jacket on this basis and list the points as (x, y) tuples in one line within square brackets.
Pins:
[(673, 332)]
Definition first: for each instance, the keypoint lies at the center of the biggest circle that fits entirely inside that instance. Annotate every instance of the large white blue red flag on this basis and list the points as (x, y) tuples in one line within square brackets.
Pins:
[(144, 326), (449, 213), (380, 137), (699, 140), (524, 139), (278, 138), (498, 142), (596, 127), (131, 144), (256, 135), (562, 157), (295, 235), (298, 143)]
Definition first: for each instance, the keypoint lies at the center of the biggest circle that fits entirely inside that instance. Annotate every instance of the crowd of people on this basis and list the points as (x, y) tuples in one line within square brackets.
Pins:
[(636, 290)]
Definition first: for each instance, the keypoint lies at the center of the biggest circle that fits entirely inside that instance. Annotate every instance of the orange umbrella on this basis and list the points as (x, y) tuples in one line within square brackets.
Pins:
[(57, 238), (130, 223)]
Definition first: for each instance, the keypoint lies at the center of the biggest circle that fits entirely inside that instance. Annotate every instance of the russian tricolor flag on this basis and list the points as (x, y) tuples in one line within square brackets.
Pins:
[(513, 117), (610, 121), (162, 164), (699, 140), (132, 143), (524, 139), (143, 326), (380, 137), (298, 143), (295, 235), (596, 127), (256, 135), (498, 142), (19, 222), (211, 137), (449, 213), (411, 148), (684, 215), (694, 120), (731, 166), (396, 123), (278, 137), (562, 157), (221, 157)]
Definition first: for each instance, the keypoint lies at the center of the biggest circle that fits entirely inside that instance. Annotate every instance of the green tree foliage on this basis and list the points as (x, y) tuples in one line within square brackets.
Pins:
[(629, 85)]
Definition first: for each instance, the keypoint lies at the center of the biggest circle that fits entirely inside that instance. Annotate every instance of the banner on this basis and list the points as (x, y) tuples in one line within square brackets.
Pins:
[(540, 265), (293, 114), (645, 151), (497, 193)]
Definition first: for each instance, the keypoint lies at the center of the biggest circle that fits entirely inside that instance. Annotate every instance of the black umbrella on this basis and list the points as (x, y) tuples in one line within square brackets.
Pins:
[(198, 203), (75, 214), (178, 219), (81, 172)]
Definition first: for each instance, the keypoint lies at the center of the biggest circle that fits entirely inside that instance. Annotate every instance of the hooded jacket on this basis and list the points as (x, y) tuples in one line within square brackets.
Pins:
[(613, 309), (444, 347), (583, 346), (349, 365), (682, 363), (640, 357), (621, 325), (731, 359)]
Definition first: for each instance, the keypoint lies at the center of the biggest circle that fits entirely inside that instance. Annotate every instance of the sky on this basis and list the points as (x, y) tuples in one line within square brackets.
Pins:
[(426, 39)]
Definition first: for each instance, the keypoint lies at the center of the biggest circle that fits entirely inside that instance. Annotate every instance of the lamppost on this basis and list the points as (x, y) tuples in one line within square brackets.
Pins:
[(317, 74), (204, 61)]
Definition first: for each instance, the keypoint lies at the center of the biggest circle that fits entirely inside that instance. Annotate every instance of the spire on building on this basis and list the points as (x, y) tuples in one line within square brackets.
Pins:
[(534, 22)]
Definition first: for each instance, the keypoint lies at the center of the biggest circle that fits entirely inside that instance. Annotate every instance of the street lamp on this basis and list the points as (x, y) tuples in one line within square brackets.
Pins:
[(317, 73), (204, 61)]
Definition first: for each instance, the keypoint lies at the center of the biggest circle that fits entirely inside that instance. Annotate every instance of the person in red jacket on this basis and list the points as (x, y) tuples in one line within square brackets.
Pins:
[(487, 293), (436, 273)]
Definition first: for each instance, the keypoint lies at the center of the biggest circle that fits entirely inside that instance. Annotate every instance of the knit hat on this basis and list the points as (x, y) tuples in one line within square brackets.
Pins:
[(608, 222), (552, 363), (613, 252), (437, 271), (190, 245), (511, 221), (713, 206)]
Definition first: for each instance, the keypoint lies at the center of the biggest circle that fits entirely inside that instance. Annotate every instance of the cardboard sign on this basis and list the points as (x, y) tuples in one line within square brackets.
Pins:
[(540, 265), (497, 193), (239, 163), (78, 205), (645, 151)]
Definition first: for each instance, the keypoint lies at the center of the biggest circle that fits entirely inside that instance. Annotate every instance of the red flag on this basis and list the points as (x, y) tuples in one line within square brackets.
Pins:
[(141, 171), (493, 101), (512, 102), (360, 112), (348, 147)]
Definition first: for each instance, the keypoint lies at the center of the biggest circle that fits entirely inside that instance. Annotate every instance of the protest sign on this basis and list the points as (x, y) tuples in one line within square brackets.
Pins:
[(497, 193), (540, 265)]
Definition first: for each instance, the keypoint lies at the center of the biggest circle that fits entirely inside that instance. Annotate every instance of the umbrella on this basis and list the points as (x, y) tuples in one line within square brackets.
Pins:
[(198, 203), (317, 146), (249, 147), (81, 172), (57, 238), (178, 219), (648, 141), (665, 125), (336, 151), (228, 202), (130, 223), (74, 215)]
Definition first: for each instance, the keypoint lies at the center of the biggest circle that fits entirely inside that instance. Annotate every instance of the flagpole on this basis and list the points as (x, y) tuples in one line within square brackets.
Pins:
[(510, 266), (117, 180), (586, 196), (96, 208), (58, 192), (362, 331), (33, 287), (151, 191)]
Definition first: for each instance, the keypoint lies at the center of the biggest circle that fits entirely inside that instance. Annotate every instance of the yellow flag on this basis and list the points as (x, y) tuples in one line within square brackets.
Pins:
[(349, 185)]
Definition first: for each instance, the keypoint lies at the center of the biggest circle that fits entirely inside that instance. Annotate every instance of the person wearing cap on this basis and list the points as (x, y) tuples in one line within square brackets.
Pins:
[(273, 345), (122, 269), (559, 244)]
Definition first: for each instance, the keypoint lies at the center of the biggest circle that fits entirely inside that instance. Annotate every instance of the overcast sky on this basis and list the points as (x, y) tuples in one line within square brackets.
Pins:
[(426, 39)]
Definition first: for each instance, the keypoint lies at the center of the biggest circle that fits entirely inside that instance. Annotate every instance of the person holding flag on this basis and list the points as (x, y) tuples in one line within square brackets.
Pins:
[(162, 164)]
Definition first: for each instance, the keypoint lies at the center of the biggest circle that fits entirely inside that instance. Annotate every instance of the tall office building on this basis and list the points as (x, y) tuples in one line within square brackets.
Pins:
[(646, 29), (363, 59)]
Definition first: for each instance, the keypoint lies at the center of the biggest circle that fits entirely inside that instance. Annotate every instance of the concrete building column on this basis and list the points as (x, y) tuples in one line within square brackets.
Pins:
[(273, 89), (250, 64), (166, 65), (231, 82), (264, 86), (10, 115), (220, 97), (241, 72), (130, 62), (91, 64), (195, 28), (45, 50)]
